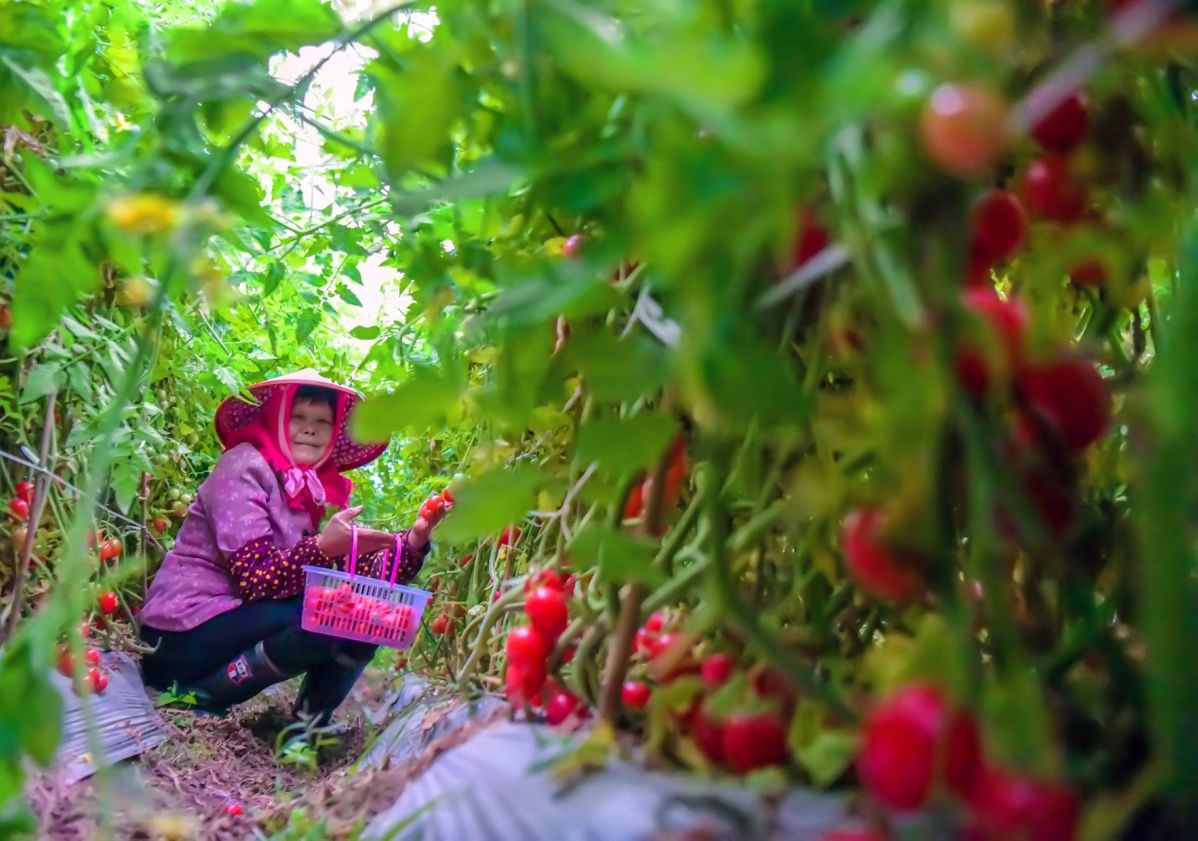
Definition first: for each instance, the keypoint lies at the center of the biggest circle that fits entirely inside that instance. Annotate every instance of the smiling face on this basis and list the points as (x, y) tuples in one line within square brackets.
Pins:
[(311, 429)]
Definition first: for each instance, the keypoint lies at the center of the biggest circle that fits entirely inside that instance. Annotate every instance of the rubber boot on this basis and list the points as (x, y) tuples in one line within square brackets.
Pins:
[(327, 684), (240, 679)]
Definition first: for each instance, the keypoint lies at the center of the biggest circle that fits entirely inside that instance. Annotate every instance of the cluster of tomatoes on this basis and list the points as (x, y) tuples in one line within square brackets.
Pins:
[(94, 680), (341, 608), (917, 746), (528, 648)]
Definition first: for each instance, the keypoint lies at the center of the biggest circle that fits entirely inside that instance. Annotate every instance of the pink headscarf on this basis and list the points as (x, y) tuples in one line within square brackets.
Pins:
[(310, 487)]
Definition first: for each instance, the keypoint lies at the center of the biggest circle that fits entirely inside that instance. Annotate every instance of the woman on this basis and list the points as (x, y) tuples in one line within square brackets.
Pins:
[(224, 608)]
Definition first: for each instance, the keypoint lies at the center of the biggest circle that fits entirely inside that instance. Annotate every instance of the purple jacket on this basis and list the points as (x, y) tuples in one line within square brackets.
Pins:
[(239, 509)]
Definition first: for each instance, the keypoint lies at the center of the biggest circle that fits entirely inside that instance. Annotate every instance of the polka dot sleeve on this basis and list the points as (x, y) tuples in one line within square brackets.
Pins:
[(262, 571)]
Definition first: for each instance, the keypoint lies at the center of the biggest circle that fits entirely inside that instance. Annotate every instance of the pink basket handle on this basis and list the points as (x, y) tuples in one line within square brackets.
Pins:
[(398, 556), (353, 550)]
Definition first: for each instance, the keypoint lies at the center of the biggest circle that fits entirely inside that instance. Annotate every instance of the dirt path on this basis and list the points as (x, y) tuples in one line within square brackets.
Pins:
[(216, 778)]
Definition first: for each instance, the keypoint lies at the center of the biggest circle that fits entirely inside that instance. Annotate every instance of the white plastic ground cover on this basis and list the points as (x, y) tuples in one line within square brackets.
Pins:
[(492, 788), (124, 720)]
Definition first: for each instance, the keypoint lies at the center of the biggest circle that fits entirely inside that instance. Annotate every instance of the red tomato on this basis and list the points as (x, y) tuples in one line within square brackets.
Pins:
[(655, 622), (911, 738), (810, 238), (447, 496), (523, 683), (546, 609), (111, 549), (963, 128), (234, 809), (432, 507), (1006, 317), (635, 694), (999, 226), (85, 629), (467, 558), (66, 666), (754, 741), (1072, 395), (708, 735), (1089, 273), (635, 506), (1063, 128), (18, 507), (160, 525), (108, 603), (97, 681), (526, 647), (439, 625), (852, 835), (92, 656), (544, 578), (560, 707), (24, 490), (572, 245), (716, 670), (1050, 190), (509, 536), (645, 642), (875, 568), (1007, 805)]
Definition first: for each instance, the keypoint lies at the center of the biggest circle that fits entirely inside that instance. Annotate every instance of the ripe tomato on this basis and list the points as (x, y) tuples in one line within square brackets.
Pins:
[(911, 738), (1052, 191), (1006, 317), (645, 642), (635, 694), (875, 568), (447, 496), (19, 508), (560, 707), (97, 681), (234, 809), (466, 559), (440, 625), (708, 735), (1064, 127), (963, 128), (160, 525), (547, 611), (754, 741), (526, 647), (656, 622), (1070, 394), (432, 507), (999, 226), (108, 603), (66, 665), (85, 629), (92, 656), (1089, 273), (572, 245), (716, 670), (635, 506), (1007, 805), (810, 238), (24, 490), (111, 549), (509, 536)]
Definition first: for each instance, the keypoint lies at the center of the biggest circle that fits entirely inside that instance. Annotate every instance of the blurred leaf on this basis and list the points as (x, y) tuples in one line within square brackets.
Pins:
[(1017, 723), (416, 107), (623, 446), (620, 557), (49, 281), (242, 195), (616, 369), (828, 756), (49, 100), (365, 333), (413, 405), (255, 30), (486, 504), (542, 299), (45, 378)]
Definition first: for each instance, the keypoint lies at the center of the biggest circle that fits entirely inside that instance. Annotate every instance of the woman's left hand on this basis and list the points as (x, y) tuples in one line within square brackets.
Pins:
[(431, 513)]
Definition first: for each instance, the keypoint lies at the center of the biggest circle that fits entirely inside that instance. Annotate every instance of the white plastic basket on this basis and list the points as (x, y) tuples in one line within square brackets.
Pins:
[(356, 607)]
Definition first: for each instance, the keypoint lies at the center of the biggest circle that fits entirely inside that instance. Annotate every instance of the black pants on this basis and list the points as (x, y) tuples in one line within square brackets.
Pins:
[(332, 665)]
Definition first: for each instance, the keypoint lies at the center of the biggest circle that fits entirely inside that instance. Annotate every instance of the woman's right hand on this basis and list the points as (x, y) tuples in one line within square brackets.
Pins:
[(336, 538)]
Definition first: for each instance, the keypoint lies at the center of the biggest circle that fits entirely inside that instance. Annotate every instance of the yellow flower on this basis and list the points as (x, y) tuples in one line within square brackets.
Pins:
[(144, 213)]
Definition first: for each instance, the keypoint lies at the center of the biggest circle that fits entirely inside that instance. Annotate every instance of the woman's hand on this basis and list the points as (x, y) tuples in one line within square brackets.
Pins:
[(336, 539), (431, 513)]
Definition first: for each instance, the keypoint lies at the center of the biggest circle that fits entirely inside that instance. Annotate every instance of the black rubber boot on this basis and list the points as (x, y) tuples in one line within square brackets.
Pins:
[(240, 679), (327, 684)]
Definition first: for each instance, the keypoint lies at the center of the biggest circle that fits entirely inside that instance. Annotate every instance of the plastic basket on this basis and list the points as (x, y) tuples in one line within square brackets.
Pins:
[(355, 607)]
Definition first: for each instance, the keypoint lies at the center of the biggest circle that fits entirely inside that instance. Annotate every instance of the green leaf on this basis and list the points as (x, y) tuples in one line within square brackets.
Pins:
[(416, 107), (365, 332), (414, 405), (79, 378), (346, 294), (125, 478), (539, 301), (1018, 724), (243, 196), (622, 446), (616, 369), (50, 101), (45, 378), (828, 756), (489, 502), (255, 30), (48, 282), (619, 556), (307, 322)]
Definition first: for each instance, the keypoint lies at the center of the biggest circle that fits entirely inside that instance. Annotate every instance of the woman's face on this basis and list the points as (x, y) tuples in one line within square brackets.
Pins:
[(311, 429)]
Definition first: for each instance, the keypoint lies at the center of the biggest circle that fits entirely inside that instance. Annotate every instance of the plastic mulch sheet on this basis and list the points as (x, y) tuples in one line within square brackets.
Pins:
[(493, 786), (123, 721)]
